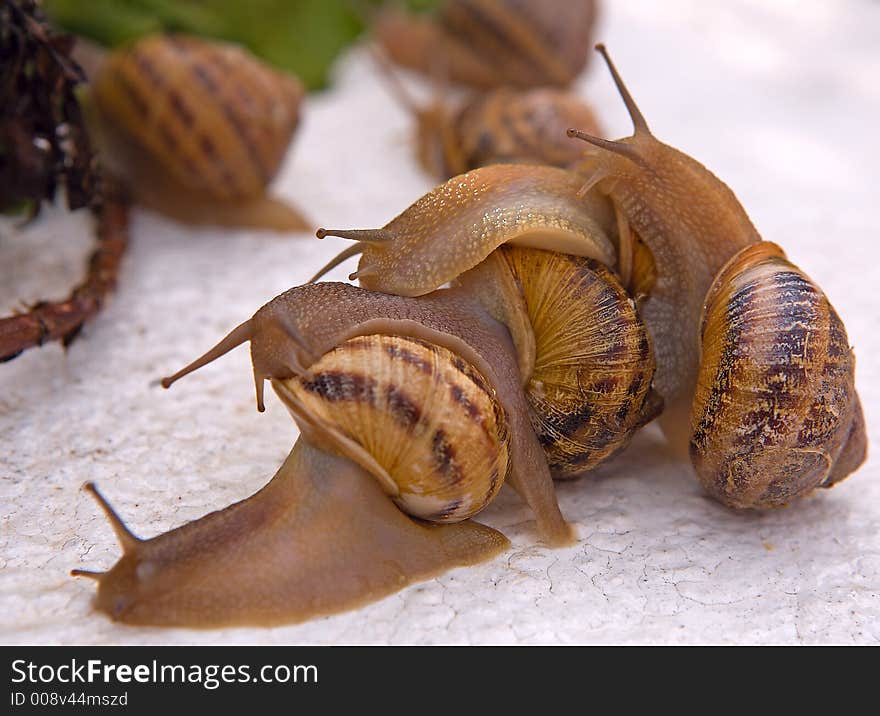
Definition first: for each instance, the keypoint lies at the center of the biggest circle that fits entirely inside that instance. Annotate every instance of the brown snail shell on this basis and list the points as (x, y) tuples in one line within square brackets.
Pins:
[(198, 117), (590, 389), (504, 126), (420, 419), (775, 407), (490, 43)]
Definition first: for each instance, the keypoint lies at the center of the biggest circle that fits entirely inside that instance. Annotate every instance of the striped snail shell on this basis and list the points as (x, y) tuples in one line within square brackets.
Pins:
[(195, 116), (491, 43), (420, 419), (590, 389), (775, 413), (504, 126)]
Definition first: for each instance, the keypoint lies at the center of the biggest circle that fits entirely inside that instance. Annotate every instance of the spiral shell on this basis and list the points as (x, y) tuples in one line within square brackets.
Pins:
[(490, 43), (208, 113), (508, 126), (775, 405), (419, 418), (591, 385)]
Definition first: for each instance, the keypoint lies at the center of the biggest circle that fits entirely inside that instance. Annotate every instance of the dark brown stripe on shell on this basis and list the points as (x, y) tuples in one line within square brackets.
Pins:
[(404, 410), (721, 381), (564, 426), (400, 353), (444, 456), (474, 376), (458, 395), (133, 94), (203, 75), (180, 108), (340, 386), (449, 510), (147, 68)]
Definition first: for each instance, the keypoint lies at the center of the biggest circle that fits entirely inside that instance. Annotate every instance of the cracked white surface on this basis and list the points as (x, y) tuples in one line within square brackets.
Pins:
[(779, 99)]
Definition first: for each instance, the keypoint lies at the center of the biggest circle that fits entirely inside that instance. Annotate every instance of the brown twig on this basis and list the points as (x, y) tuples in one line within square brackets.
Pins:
[(63, 320), (43, 145)]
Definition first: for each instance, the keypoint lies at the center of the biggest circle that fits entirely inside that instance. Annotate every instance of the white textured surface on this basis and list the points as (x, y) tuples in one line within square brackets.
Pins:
[(779, 99)]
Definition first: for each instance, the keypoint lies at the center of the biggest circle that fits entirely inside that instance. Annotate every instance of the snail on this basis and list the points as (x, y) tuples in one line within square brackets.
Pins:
[(197, 129), (502, 125), (584, 355), (775, 414), (388, 392), (320, 537), (492, 43), (692, 224)]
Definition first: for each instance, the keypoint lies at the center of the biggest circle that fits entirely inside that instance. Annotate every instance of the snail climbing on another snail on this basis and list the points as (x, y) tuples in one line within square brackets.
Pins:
[(197, 129), (426, 431), (584, 355), (736, 406), (432, 393), (493, 43), (502, 125)]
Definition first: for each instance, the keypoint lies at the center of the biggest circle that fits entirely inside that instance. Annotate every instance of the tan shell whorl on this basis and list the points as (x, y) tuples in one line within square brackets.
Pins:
[(421, 419), (591, 385), (522, 126)]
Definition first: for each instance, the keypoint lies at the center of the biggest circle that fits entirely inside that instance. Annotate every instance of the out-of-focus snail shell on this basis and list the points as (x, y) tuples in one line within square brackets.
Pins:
[(208, 113), (423, 421), (591, 386), (491, 43), (522, 126), (775, 406)]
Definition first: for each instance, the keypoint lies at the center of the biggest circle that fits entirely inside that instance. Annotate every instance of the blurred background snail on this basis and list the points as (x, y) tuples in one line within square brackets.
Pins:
[(493, 43), (502, 125), (197, 129)]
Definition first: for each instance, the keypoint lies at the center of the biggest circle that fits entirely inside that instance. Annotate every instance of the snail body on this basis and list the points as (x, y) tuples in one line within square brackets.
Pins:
[(197, 129), (457, 225), (775, 406), (492, 43), (320, 537)]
